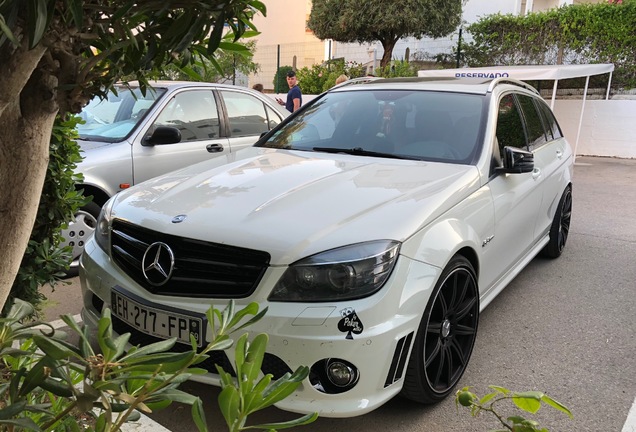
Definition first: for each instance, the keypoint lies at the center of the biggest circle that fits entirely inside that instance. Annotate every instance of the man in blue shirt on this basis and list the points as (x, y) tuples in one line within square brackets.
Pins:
[(294, 96)]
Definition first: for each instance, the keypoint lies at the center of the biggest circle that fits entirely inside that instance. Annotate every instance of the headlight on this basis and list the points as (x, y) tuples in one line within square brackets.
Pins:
[(102, 230), (345, 273)]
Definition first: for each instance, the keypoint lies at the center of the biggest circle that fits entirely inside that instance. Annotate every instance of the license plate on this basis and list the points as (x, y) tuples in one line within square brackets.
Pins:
[(162, 323)]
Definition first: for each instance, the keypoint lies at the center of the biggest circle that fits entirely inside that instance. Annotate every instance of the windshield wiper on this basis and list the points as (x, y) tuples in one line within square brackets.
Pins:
[(358, 151)]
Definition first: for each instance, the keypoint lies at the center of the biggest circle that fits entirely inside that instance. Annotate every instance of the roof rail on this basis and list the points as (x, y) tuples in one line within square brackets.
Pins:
[(360, 80), (505, 80)]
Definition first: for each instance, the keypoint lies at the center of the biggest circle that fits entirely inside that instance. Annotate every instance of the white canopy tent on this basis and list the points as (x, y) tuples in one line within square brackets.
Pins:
[(533, 73)]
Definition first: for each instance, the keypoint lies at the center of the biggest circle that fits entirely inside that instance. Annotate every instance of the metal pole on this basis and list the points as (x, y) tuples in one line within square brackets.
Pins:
[(459, 47), (277, 68)]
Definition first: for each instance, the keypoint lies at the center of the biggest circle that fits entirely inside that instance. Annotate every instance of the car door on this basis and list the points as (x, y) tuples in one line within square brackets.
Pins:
[(551, 156), (194, 112), (516, 197), (247, 117)]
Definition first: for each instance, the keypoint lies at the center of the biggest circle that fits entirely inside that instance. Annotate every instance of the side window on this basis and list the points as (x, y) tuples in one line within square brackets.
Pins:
[(246, 114), (534, 124), (510, 127), (550, 121), (193, 113), (273, 117)]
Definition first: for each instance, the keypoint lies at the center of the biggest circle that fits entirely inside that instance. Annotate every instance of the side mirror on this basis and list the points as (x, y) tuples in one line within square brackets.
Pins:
[(516, 161), (163, 135)]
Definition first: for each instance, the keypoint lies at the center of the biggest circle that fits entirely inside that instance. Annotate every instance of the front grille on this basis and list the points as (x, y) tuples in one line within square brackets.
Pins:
[(201, 269)]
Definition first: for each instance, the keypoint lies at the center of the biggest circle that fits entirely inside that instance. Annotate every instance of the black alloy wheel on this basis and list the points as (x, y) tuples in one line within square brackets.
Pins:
[(560, 226), (446, 335)]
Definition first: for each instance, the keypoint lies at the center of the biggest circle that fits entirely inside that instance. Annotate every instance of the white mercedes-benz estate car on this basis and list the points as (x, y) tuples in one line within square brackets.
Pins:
[(374, 224)]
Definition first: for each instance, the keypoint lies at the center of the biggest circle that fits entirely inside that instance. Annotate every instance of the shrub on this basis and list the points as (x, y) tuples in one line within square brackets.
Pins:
[(321, 77), (399, 68), (280, 79), (39, 377), (581, 33)]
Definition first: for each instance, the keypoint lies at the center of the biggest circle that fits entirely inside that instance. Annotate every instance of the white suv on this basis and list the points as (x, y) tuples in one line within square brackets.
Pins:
[(131, 136), (374, 224)]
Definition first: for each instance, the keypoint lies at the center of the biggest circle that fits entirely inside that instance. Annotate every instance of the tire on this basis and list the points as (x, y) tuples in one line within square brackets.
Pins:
[(78, 231), (560, 227), (446, 335)]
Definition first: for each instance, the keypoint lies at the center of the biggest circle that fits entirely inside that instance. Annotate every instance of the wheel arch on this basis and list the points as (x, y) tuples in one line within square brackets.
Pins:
[(100, 196)]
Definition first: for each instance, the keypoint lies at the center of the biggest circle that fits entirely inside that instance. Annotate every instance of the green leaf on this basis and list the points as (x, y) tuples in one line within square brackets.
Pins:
[(500, 389), (198, 415), (179, 396), (156, 347), (234, 47), (25, 423), (75, 7), (120, 345), (301, 421), (215, 37), (58, 388), (105, 335), (4, 28), (487, 398), (33, 378), (557, 405), (528, 401), (38, 17), (254, 359), (229, 400), (53, 348), (19, 309), (12, 410)]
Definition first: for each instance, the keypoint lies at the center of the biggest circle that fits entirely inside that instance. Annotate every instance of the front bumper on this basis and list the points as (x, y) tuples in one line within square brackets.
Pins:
[(304, 333)]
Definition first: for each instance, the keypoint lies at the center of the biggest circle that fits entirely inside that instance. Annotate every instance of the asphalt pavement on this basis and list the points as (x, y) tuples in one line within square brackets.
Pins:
[(566, 327)]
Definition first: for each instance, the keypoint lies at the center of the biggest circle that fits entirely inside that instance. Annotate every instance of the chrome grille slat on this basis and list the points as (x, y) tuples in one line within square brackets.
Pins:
[(202, 269)]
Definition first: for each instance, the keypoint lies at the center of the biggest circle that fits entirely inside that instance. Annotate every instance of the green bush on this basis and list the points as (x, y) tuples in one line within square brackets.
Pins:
[(40, 372), (280, 79), (44, 261), (321, 77), (581, 33), (399, 68)]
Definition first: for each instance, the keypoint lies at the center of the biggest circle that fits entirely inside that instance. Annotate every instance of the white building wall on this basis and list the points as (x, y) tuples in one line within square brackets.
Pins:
[(608, 127)]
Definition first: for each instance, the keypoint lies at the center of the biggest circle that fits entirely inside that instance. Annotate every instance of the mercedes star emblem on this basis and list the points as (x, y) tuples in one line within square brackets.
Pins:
[(158, 263)]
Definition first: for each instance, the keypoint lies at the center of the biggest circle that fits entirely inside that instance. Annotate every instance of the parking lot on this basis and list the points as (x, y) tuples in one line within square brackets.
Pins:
[(565, 327)]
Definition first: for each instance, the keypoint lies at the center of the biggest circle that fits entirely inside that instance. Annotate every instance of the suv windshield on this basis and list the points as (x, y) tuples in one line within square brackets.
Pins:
[(113, 118), (406, 124)]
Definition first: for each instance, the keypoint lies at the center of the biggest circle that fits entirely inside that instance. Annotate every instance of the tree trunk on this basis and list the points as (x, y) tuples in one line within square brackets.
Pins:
[(26, 122), (388, 46)]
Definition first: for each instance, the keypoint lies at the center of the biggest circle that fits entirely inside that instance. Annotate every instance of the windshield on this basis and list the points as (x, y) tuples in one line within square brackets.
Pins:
[(113, 118), (406, 124)]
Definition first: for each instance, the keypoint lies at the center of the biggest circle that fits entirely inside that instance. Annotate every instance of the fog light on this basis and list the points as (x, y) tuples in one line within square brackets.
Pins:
[(333, 376), (340, 374)]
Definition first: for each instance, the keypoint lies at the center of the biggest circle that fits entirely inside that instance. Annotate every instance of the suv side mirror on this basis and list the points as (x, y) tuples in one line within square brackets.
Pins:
[(163, 135), (516, 161)]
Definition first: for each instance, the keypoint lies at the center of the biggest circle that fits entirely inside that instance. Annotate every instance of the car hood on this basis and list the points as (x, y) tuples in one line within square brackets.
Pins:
[(293, 204)]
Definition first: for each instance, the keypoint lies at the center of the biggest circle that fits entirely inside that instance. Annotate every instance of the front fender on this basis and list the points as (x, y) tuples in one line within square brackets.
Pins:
[(467, 225)]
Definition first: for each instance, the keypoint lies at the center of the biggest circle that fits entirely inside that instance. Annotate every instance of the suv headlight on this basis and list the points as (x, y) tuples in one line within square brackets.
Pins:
[(102, 230), (345, 273)]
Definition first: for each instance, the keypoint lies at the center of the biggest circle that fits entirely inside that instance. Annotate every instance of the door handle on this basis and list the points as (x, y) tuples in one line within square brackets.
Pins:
[(536, 173), (559, 154), (214, 148)]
